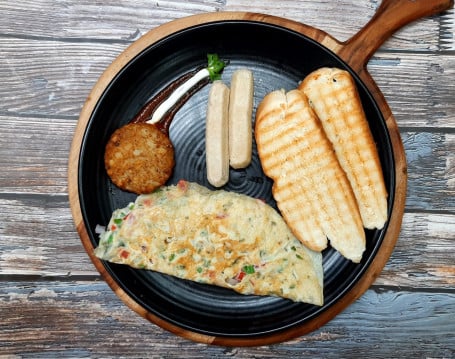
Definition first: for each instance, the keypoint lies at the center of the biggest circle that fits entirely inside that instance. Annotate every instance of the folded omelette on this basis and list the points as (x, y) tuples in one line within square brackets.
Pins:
[(214, 237)]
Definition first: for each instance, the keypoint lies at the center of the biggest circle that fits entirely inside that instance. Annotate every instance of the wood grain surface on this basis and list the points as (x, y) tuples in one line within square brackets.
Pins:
[(52, 301)]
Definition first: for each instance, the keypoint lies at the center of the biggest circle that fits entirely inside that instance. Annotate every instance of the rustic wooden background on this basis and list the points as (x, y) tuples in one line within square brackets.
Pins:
[(52, 300)]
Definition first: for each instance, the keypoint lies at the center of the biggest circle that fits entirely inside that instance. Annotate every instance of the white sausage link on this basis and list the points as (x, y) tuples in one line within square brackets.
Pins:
[(216, 135), (240, 120)]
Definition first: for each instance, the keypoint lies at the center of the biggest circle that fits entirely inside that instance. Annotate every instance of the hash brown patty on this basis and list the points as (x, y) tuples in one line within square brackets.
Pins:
[(139, 158)]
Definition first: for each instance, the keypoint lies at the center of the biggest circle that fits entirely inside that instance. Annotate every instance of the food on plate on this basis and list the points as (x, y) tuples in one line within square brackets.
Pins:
[(216, 135), (310, 187), (229, 127), (146, 112), (213, 71), (214, 237), (139, 158), (333, 96), (240, 120)]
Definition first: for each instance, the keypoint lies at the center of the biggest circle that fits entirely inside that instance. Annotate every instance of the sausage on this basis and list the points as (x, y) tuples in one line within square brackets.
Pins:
[(240, 120), (216, 135)]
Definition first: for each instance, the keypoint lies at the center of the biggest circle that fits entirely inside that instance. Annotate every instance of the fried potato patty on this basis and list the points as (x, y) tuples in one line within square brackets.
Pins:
[(139, 158)]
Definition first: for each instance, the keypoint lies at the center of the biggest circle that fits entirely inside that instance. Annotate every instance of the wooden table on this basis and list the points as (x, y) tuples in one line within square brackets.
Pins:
[(52, 300)]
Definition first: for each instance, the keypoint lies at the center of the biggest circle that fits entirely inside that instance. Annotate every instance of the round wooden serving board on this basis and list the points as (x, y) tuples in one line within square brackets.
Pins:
[(139, 73)]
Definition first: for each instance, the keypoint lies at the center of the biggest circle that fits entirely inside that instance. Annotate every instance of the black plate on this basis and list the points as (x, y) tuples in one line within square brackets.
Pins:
[(279, 58)]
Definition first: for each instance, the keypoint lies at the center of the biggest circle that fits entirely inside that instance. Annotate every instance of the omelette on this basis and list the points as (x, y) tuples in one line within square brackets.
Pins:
[(214, 237)]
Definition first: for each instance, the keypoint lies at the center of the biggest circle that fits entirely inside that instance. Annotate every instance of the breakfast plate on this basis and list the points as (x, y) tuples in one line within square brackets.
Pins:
[(280, 53)]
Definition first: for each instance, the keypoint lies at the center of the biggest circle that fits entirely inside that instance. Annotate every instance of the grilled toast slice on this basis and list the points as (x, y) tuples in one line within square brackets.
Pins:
[(310, 187), (333, 96)]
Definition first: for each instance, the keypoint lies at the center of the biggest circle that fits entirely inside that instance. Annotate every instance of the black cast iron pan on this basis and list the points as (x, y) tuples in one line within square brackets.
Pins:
[(280, 53)]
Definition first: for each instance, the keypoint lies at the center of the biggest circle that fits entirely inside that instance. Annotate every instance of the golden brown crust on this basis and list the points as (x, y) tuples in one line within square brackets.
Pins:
[(139, 158), (335, 99), (311, 190)]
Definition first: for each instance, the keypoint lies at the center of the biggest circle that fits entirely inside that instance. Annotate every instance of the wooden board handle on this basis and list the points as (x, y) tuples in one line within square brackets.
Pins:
[(389, 17)]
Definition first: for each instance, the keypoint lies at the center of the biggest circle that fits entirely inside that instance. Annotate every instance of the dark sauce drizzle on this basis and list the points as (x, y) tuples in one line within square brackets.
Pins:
[(149, 108)]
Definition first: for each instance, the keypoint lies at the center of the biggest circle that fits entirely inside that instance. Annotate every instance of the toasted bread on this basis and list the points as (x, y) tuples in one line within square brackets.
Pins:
[(334, 97), (310, 187)]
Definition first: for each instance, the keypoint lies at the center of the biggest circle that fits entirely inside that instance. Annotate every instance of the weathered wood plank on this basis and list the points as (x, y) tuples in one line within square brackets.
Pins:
[(53, 79), (420, 257), (34, 154), (41, 166), (86, 19), (344, 18), (39, 239), (419, 88), (50, 78), (431, 160), (82, 319), (125, 23)]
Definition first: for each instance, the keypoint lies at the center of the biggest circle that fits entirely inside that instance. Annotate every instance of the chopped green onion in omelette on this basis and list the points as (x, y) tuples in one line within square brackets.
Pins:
[(214, 237)]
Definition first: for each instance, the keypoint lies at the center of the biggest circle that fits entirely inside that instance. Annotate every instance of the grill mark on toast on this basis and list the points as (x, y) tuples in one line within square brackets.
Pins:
[(338, 104), (297, 155)]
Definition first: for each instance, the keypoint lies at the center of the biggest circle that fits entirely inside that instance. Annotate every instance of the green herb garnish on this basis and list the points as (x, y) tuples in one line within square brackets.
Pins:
[(248, 269), (215, 66)]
